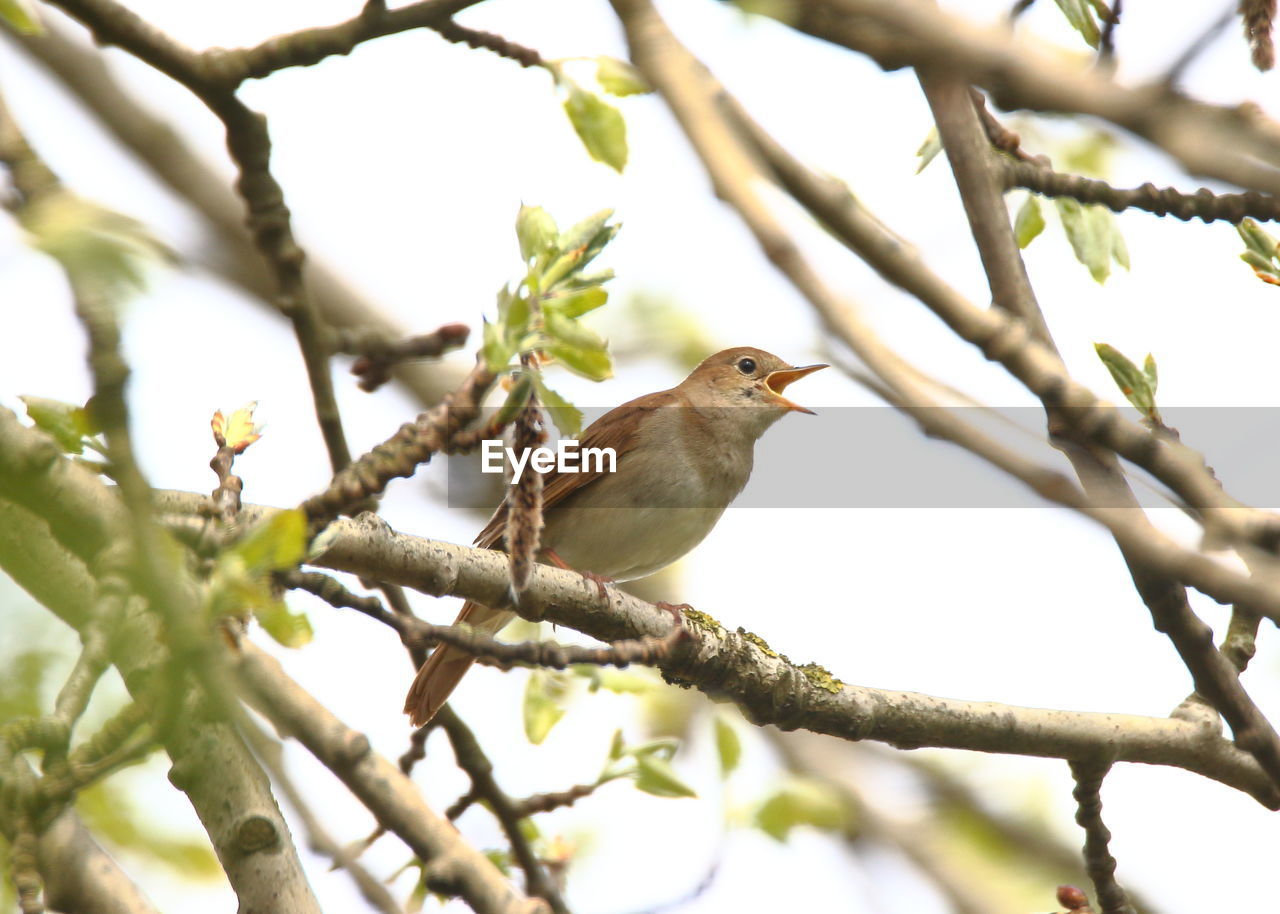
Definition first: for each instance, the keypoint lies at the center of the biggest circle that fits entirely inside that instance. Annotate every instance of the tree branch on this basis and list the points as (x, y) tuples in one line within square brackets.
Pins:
[(270, 752), (1204, 204), (472, 759), (233, 256), (451, 865), (769, 687), (1225, 143), (975, 166), (1097, 856), (223, 782), (249, 143)]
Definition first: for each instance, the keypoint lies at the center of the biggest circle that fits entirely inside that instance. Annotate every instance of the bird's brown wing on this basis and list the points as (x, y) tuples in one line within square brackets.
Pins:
[(447, 664), (615, 429)]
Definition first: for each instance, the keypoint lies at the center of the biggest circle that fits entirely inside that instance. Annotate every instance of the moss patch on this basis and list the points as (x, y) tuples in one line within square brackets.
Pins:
[(758, 642), (820, 677)]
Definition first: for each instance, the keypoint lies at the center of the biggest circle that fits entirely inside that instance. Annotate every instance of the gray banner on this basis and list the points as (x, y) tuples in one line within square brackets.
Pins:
[(875, 457)]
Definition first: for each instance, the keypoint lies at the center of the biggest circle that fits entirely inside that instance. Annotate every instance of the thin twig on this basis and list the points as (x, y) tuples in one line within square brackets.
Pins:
[(973, 164), (232, 254), (435, 431), (1204, 204), (249, 143), (1098, 861), (450, 30), (473, 760), (451, 866), (378, 355)]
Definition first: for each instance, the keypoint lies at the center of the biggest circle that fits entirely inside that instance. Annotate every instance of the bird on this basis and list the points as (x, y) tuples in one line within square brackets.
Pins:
[(683, 455)]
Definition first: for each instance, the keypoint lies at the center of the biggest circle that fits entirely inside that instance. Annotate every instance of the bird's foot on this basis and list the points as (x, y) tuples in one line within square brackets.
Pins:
[(600, 581), (677, 615)]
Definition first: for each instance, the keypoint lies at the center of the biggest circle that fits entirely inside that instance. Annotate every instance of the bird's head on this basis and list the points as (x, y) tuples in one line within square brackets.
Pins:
[(745, 376)]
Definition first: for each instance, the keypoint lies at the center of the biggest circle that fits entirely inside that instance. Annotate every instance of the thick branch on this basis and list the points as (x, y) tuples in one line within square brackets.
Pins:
[(224, 784), (80, 876), (767, 686)]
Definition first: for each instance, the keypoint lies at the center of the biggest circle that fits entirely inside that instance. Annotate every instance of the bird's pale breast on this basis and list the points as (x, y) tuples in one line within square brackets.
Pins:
[(655, 508)]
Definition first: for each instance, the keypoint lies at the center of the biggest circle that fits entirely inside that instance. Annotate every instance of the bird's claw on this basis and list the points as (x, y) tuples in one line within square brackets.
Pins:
[(600, 581), (676, 615)]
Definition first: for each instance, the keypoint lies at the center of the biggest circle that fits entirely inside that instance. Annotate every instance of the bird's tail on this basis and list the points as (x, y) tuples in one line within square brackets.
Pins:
[(446, 666)]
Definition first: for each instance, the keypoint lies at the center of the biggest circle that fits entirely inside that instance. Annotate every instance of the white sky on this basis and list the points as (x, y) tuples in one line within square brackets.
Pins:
[(404, 165)]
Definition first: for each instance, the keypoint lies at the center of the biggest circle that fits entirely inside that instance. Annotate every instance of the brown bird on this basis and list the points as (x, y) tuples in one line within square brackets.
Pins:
[(682, 456)]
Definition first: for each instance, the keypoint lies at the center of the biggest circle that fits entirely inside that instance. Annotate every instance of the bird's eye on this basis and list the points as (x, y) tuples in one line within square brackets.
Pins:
[(747, 366)]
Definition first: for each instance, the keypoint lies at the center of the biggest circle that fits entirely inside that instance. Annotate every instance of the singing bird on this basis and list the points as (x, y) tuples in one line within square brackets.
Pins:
[(682, 456)]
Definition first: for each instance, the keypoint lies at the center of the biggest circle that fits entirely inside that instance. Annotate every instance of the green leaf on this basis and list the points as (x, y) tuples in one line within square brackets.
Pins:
[(22, 682), (594, 364), (113, 814), (621, 682), (287, 627), (654, 775), (592, 233), (536, 231), (566, 416), (1094, 236), (728, 746), (21, 17), (800, 802), (589, 280), (616, 746), (576, 304), (1119, 250), (929, 149), (1262, 252), (573, 333), (1133, 383), (1088, 154), (497, 351), (278, 543), (517, 397), (664, 747), (500, 858), (1030, 221), (98, 248), (529, 829), (321, 543), (1256, 239), (542, 707), (600, 127), (67, 423), (617, 77), (513, 313), (1150, 372), (579, 246), (1080, 15)]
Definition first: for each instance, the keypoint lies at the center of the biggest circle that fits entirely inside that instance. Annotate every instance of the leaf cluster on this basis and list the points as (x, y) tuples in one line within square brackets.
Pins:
[(1137, 385), (538, 320), (1262, 251), (598, 124)]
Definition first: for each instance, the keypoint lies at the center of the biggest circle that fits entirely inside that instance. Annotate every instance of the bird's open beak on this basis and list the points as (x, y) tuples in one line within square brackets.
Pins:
[(778, 381)]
